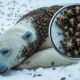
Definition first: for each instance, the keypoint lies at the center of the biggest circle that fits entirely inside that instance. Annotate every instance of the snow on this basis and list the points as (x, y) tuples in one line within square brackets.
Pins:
[(71, 72), (10, 12)]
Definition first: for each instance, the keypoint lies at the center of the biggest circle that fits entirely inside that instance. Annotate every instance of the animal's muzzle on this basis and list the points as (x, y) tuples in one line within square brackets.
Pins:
[(3, 69)]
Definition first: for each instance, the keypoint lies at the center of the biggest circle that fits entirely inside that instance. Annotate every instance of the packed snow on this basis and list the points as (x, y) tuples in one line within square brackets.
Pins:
[(10, 12)]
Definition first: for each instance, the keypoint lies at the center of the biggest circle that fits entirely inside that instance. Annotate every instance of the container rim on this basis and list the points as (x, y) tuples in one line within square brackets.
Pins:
[(50, 31)]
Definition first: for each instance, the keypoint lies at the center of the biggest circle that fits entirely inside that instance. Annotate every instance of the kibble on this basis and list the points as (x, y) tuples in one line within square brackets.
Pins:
[(71, 42)]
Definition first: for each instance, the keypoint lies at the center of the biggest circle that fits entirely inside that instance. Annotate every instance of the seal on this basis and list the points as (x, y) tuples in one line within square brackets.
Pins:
[(27, 45)]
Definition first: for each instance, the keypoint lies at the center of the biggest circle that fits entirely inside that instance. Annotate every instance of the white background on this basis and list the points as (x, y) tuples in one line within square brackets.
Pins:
[(10, 12)]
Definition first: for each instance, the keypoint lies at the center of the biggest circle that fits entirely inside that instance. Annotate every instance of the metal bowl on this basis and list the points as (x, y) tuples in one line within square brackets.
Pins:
[(54, 30)]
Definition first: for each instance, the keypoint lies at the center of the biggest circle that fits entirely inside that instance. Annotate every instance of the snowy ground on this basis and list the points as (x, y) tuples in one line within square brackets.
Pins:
[(71, 72), (10, 12)]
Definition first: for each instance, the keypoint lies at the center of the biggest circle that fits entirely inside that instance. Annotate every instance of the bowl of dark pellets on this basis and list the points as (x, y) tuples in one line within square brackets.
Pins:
[(64, 31)]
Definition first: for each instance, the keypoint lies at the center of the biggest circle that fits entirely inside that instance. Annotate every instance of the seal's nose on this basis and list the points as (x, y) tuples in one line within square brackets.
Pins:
[(3, 69)]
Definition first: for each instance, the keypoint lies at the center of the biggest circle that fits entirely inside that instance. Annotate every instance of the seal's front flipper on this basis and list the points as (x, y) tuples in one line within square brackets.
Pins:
[(46, 58)]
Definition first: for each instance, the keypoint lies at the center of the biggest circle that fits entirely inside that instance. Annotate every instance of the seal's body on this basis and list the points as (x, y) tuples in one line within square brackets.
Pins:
[(20, 45)]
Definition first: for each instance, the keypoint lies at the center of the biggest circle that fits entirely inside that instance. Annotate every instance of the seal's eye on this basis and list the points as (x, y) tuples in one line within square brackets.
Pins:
[(5, 51), (27, 35)]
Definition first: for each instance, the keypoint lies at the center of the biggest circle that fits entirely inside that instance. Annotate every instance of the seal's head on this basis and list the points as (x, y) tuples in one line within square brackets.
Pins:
[(12, 43)]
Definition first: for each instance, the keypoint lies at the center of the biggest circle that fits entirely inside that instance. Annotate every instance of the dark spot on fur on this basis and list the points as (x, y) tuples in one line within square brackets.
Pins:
[(28, 62), (52, 63)]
